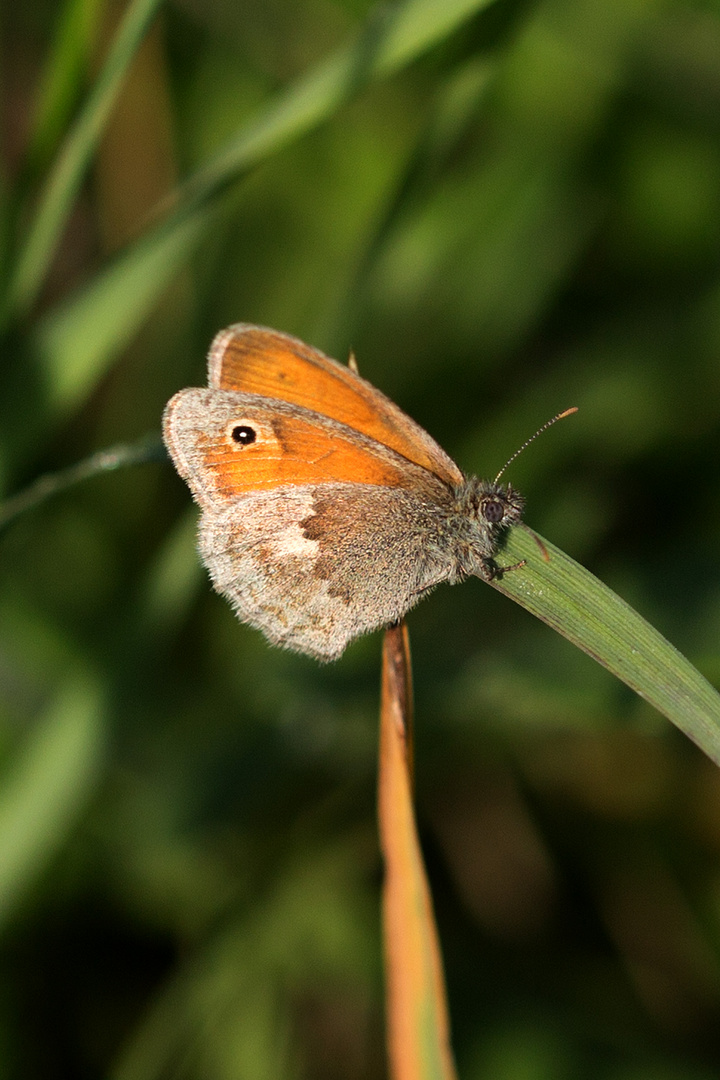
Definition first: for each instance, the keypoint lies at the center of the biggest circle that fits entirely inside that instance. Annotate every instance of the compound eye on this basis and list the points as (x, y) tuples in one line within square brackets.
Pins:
[(243, 434), (493, 510)]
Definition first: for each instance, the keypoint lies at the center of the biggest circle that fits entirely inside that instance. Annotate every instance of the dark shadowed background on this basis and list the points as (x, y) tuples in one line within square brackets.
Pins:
[(524, 218)]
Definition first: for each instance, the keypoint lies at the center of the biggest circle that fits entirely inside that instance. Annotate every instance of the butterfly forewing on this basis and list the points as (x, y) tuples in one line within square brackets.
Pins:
[(227, 445), (255, 360)]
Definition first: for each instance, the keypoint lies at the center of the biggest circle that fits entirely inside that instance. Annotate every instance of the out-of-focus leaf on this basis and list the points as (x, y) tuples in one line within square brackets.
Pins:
[(72, 162), (392, 37), (66, 67), (228, 1008), (80, 338), (78, 341), (45, 789)]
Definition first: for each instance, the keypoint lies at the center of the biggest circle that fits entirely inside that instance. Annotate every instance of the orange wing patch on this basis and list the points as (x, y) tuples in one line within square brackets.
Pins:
[(226, 448), (289, 450), (252, 359)]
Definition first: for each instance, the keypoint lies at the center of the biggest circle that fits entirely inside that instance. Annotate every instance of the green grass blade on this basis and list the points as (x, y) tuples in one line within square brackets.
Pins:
[(67, 175), (391, 38), (64, 77), (115, 457), (575, 603), (78, 341)]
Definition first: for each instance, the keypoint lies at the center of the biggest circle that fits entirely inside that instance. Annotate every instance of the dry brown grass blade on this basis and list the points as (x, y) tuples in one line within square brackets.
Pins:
[(416, 1009)]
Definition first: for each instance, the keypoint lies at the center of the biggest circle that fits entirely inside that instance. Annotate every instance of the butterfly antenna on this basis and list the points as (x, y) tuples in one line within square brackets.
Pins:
[(549, 423)]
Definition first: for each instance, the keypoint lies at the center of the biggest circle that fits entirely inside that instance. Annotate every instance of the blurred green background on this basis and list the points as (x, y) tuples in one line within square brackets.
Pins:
[(520, 215)]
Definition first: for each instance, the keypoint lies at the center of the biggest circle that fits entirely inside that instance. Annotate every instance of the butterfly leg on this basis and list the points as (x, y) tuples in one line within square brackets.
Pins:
[(490, 571)]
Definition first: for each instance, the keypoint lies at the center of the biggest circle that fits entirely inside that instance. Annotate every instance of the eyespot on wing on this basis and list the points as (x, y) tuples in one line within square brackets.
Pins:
[(226, 445)]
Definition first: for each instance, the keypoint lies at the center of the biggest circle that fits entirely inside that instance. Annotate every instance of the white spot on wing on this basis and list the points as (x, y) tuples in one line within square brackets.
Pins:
[(292, 541)]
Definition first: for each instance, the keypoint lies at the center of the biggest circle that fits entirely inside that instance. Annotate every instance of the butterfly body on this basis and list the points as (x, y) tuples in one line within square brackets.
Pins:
[(326, 512)]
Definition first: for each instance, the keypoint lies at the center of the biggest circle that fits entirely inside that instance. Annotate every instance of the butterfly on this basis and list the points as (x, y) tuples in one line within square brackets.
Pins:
[(326, 512)]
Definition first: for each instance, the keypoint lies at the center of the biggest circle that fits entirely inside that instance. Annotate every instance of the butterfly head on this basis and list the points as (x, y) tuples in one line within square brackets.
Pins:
[(485, 510), (490, 507), (498, 506)]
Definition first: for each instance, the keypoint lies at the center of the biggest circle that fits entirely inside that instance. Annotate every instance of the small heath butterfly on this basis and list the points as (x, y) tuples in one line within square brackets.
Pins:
[(326, 511)]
